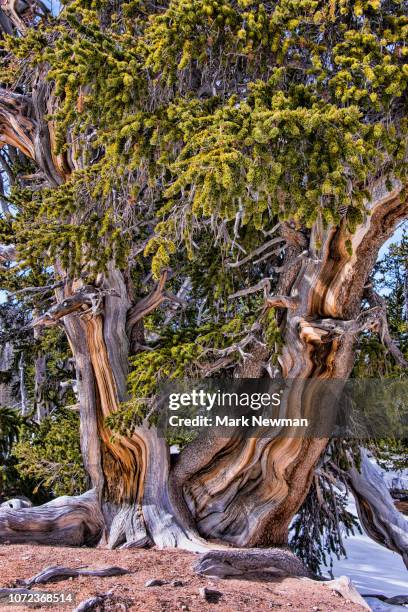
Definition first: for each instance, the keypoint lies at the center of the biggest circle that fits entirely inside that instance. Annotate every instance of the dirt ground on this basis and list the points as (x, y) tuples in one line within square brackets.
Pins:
[(20, 561)]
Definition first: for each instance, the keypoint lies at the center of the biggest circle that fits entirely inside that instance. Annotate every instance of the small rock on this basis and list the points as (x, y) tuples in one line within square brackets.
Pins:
[(176, 583), (210, 595), (344, 587), (154, 582)]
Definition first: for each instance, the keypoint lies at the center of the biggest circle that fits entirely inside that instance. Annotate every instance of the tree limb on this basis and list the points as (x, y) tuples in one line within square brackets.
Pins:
[(17, 126), (271, 301), (54, 573), (37, 290), (86, 296), (378, 515), (316, 329), (149, 303), (261, 249), (69, 521)]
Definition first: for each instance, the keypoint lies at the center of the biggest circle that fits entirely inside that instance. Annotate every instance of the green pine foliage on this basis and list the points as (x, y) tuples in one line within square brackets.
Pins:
[(187, 130), (187, 352), (10, 425), (49, 455), (319, 530), (207, 108)]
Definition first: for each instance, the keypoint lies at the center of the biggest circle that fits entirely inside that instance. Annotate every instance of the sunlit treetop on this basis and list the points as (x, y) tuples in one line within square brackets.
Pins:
[(198, 115)]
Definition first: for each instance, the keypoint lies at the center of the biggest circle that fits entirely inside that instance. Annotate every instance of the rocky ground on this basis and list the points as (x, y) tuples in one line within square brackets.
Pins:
[(183, 589)]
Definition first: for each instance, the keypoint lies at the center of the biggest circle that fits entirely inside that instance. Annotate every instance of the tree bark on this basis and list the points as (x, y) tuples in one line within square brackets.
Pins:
[(23, 391), (69, 521)]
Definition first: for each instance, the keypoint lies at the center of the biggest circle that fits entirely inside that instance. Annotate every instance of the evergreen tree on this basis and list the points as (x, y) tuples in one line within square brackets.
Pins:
[(207, 185)]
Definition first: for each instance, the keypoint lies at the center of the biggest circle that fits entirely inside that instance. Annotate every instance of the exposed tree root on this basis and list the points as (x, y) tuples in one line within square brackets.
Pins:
[(65, 521), (98, 602), (250, 562), (55, 573), (5, 593)]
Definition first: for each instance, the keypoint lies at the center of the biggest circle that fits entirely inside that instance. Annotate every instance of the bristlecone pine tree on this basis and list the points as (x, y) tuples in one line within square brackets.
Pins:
[(208, 182)]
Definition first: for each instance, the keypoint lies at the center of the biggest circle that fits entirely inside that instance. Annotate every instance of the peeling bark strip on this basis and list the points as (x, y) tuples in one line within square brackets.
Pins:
[(86, 300)]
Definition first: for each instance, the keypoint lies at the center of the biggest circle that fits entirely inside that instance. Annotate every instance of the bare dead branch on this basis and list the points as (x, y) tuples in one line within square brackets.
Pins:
[(271, 301), (86, 296), (264, 284), (37, 290), (372, 319), (152, 301), (208, 369), (258, 251), (270, 254), (239, 347)]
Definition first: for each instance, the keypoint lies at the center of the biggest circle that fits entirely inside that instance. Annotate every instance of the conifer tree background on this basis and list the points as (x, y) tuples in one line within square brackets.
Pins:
[(201, 188)]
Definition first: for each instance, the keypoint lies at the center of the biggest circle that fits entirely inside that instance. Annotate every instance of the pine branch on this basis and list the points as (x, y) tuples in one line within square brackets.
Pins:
[(258, 251)]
